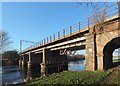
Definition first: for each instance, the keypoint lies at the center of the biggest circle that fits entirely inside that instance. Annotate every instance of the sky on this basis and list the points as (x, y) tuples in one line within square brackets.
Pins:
[(36, 21)]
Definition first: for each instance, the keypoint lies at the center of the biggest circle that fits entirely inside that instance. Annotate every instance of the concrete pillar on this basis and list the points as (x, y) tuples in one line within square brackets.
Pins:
[(51, 61), (43, 64), (29, 61), (23, 62), (29, 74), (90, 52), (43, 69), (20, 61)]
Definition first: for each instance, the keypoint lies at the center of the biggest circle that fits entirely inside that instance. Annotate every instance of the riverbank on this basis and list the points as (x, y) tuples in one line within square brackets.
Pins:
[(9, 63), (76, 77)]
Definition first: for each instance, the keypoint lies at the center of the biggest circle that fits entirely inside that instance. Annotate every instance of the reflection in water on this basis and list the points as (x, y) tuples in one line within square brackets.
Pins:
[(13, 74), (76, 65)]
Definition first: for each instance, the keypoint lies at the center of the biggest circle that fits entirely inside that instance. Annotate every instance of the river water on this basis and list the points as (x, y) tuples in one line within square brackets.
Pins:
[(13, 74)]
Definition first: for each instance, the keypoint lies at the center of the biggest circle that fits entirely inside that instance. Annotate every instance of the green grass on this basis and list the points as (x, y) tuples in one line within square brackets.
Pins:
[(116, 60), (71, 77)]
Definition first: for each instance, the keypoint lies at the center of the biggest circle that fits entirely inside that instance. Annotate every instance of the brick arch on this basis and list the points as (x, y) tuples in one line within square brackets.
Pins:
[(102, 40), (108, 51)]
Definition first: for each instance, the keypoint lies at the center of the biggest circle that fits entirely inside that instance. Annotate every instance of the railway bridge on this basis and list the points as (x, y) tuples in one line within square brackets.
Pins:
[(99, 40)]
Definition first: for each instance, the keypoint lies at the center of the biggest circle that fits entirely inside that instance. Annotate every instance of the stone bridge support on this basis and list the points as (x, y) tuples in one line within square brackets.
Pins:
[(52, 61), (90, 52), (34, 60), (24, 61), (100, 46)]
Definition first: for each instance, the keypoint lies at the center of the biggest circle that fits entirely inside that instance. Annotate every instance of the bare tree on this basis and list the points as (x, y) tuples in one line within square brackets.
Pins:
[(4, 41)]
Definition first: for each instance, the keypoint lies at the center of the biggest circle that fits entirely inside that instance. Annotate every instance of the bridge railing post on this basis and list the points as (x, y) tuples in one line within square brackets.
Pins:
[(54, 36), (63, 32), (70, 30), (44, 41), (50, 39), (40, 43), (88, 23), (58, 35), (79, 26), (47, 40)]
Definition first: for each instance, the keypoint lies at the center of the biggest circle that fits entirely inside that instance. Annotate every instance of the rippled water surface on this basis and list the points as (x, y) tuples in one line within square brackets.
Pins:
[(13, 74)]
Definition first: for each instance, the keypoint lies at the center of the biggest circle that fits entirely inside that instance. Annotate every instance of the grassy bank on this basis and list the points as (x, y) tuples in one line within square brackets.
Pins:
[(71, 77), (116, 60)]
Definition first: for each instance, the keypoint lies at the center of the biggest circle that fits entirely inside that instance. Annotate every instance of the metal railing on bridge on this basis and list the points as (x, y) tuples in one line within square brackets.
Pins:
[(110, 10)]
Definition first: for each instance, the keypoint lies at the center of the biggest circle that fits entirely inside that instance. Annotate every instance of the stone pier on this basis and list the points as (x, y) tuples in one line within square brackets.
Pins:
[(52, 62)]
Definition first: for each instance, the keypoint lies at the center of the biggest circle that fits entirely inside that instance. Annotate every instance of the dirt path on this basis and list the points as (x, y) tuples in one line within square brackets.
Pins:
[(112, 75)]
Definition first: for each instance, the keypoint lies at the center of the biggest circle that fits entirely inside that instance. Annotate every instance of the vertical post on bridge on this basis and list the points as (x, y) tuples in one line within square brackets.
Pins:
[(58, 35), (88, 23), (79, 26), (63, 32), (50, 39), (70, 30), (44, 41), (54, 36), (47, 40)]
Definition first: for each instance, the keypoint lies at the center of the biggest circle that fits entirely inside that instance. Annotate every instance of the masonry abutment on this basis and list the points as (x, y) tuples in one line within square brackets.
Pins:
[(90, 52)]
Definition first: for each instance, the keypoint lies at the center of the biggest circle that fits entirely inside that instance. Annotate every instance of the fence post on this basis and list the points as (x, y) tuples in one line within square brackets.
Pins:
[(54, 36), (40, 43), (88, 23), (47, 40), (70, 29), (44, 41), (63, 32), (79, 26), (50, 39), (58, 35)]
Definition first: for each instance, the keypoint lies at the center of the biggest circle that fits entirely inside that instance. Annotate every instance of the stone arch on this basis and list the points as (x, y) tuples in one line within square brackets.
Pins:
[(108, 50)]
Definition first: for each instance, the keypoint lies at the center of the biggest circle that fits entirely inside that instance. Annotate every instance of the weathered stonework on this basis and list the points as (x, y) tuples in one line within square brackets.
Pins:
[(97, 44), (90, 53)]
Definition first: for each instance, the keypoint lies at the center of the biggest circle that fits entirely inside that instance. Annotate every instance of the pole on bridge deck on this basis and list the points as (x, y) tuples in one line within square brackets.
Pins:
[(44, 41), (54, 36), (88, 23), (79, 26), (47, 39), (70, 29), (63, 32), (58, 35), (50, 39)]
